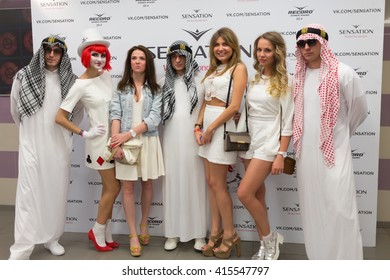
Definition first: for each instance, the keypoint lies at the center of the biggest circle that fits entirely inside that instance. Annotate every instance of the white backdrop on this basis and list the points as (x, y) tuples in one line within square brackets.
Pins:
[(355, 29)]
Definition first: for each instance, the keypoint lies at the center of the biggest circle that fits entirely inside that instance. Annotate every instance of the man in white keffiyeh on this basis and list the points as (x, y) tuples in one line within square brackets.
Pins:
[(188, 70), (184, 189), (329, 105), (44, 149)]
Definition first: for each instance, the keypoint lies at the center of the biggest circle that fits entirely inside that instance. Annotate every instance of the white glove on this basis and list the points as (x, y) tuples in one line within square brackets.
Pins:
[(97, 130)]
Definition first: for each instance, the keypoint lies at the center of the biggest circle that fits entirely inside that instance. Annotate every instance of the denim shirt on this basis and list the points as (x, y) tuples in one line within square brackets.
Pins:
[(122, 106)]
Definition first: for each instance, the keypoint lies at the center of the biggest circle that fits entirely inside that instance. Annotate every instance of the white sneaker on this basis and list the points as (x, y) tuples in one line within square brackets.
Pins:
[(272, 246), (55, 248), (199, 243), (171, 244), (261, 253)]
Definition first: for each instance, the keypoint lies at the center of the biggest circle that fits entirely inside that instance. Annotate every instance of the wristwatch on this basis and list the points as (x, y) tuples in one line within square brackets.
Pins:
[(283, 154), (133, 133)]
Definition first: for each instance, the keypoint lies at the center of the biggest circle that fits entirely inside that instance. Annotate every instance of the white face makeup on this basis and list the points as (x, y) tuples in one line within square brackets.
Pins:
[(98, 60)]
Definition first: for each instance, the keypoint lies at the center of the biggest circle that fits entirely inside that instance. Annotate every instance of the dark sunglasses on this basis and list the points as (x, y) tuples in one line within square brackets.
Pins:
[(55, 51), (302, 43)]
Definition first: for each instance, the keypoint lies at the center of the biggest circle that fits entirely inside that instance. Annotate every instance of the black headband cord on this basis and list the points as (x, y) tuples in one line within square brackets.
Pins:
[(180, 47), (319, 32)]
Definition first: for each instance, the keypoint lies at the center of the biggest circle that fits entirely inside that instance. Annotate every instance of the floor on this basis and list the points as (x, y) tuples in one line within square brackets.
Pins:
[(79, 248)]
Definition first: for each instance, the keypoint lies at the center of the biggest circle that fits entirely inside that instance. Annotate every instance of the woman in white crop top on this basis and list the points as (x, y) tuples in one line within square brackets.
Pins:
[(269, 101), (225, 62)]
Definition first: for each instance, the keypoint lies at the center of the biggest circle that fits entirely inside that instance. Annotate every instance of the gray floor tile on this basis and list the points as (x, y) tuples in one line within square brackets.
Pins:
[(78, 247)]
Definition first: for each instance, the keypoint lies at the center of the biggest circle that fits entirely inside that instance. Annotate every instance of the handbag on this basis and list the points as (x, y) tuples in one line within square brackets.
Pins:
[(289, 162), (289, 165), (131, 151), (236, 141)]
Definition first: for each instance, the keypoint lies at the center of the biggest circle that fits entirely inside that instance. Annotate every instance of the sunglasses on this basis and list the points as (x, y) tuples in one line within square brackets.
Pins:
[(48, 50), (302, 43)]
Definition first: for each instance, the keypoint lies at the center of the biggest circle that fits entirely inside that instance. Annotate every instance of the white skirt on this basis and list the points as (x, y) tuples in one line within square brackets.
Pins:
[(150, 166), (214, 151)]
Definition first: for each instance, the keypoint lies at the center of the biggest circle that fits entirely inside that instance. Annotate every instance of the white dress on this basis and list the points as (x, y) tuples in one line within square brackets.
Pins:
[(44, 169), (151, 163), (95, 95), (327, 196), (264, 120), (184, 186)]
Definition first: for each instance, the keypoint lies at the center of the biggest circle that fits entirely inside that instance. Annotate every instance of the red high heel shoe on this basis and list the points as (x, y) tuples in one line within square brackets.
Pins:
[(112, 244), (91, 236)]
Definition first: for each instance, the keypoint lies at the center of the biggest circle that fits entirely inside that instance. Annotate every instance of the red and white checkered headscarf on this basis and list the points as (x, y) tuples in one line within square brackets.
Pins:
[(328, 91)]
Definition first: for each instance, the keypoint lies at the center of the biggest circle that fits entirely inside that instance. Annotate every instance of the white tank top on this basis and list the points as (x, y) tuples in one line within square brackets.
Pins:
[(216, 86)]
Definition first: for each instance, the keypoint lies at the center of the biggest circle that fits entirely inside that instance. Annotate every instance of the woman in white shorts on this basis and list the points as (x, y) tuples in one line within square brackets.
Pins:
[(225, 63), (270, 113)]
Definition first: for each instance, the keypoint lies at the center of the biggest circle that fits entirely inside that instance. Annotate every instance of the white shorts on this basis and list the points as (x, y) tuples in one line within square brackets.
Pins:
[(258, 130), (214, 151)]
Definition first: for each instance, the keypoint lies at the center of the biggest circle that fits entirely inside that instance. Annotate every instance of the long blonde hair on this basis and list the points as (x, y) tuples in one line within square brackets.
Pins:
[(279, 76), (232, 41)]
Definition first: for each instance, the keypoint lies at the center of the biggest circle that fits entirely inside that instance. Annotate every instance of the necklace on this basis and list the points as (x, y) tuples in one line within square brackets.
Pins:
[(264, 77), (210, 92), (220, 68)]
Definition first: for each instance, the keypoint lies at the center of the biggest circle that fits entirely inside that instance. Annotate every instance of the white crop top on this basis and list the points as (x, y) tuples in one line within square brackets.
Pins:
[(216, 86)]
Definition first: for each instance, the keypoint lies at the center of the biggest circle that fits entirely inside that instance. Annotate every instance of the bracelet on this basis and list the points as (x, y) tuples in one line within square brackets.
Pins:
[(197, 129), (198, 125), (81, 132)]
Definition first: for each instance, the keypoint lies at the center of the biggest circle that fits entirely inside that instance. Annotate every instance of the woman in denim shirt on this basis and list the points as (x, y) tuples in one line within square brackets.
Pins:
[(136, 112)]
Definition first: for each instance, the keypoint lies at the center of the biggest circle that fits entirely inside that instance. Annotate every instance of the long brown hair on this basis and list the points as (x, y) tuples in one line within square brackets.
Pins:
[(150, 71), (232, 41)]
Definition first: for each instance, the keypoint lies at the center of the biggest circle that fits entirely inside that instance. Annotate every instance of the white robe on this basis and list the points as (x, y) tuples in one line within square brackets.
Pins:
[(327, 196), (44, 168), (184, 185)]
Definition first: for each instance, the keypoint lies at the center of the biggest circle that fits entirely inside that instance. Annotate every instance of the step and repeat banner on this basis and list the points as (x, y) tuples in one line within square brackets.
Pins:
[(355, 29)]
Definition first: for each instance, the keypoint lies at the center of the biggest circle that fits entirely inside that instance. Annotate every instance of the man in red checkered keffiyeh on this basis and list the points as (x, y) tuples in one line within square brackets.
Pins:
[(328, 89), (329, 105)]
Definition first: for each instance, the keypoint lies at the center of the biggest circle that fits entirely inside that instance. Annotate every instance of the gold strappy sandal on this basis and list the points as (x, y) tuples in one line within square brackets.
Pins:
[(144, 238), (229, 243), (135, 251), (207, 250)]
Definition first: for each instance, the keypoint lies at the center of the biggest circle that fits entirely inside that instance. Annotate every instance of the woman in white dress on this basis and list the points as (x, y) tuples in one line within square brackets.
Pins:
[(94, 89), (136, 112), (184, 185), (270, 113), (225, 63)]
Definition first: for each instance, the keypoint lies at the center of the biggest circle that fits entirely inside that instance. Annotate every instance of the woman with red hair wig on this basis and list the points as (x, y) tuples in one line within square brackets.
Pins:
[(86, 55), (94, 89)]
